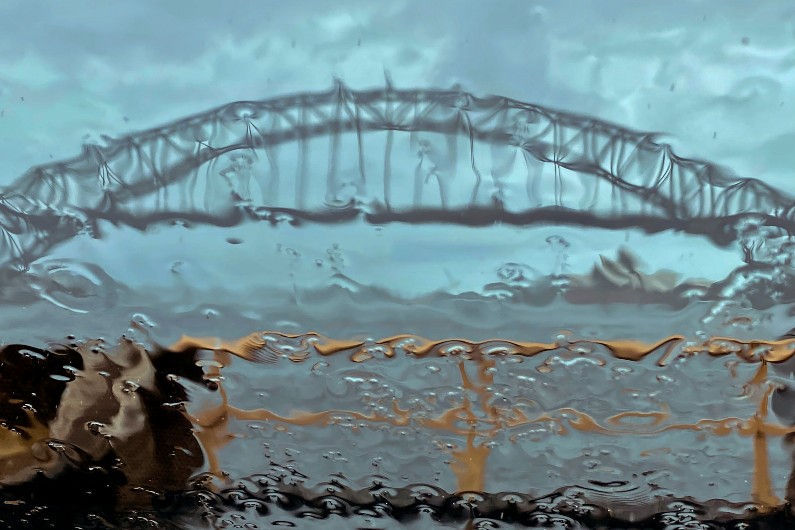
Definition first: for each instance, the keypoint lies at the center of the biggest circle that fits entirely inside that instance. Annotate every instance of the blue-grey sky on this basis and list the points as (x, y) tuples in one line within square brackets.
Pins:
[(719, 76)]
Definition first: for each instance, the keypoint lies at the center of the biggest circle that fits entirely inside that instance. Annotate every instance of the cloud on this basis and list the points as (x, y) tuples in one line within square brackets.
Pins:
[(84, 66)]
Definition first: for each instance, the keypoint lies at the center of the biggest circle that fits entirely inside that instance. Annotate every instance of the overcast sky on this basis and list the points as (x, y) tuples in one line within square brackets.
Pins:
[(718, 75)]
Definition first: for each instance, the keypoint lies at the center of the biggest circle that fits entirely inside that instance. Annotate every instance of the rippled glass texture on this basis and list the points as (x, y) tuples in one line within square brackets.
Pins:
[(395, 307)]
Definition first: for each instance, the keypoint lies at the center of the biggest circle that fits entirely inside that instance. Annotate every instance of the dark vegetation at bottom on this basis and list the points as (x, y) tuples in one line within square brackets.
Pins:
[(82, 500)]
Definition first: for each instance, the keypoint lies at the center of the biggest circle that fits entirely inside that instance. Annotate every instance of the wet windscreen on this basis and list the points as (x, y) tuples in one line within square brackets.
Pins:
[(364, 301)]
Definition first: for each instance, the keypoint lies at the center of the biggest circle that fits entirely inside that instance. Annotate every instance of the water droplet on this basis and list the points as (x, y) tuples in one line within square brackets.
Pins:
[(130, 386), (31, 354), (142, 320), (210, 313), (95, 427)]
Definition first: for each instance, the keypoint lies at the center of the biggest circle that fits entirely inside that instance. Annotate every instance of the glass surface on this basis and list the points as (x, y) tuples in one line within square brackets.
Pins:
[(361, 292)]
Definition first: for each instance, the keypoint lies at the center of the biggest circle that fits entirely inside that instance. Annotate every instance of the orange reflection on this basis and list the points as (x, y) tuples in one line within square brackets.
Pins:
[(762, 492), (469, 463)]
